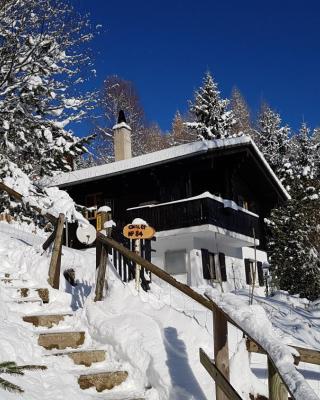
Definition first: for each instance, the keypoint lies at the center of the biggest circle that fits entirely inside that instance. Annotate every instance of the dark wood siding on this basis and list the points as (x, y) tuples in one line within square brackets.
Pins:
[(233, 174), (197, 212)]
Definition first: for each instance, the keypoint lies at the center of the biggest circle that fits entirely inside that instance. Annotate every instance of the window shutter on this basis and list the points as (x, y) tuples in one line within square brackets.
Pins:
[(248, 272), (222, 263), (205, 264), (260, 273)]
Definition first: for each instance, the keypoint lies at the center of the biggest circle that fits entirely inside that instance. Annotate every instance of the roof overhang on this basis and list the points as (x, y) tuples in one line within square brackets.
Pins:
[(68, 179)]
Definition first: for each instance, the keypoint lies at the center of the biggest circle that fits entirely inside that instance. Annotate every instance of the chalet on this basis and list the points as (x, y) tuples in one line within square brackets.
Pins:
[(207, 201)]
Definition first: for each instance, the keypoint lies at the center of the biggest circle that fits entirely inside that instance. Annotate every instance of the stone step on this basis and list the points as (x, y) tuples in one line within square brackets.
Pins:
[(45, 320), (7, 281), (25, 292), (84, 357), (30, 300), (61, 340), (102, 380), (116, 396)]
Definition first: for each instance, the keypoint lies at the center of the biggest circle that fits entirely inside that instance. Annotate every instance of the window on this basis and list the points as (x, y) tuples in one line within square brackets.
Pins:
[(214, 266), (176, 262), (249, 269), (242, 202), (94, 200)]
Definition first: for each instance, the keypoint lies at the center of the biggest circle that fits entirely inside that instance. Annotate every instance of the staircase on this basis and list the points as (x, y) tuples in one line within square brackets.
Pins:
[(58, 338)]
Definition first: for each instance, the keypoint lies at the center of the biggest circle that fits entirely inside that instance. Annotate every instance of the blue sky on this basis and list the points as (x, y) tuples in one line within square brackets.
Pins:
[(269, 50)]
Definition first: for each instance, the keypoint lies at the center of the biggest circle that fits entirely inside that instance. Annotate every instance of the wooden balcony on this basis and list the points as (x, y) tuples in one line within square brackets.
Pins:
[(199, 211)]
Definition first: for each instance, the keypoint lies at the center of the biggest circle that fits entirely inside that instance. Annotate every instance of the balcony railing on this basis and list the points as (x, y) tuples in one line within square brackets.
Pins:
[(199, 211)]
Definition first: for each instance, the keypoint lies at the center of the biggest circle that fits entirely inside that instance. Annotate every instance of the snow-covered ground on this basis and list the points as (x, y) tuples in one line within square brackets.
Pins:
[(155, 336)]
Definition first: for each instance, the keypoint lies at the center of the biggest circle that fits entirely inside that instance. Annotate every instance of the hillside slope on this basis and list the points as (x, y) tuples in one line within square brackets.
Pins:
[(155, 336)]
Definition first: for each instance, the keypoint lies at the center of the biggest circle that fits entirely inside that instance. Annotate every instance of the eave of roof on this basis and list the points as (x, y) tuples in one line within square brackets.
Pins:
[(159, 157)]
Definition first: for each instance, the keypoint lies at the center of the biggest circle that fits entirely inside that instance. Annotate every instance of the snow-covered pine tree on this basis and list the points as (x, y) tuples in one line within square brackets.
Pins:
[(304, 162), (294, 242), (273, 140), (41, 67), (294, 227), (316, 141), (212, 119), (300, 160)]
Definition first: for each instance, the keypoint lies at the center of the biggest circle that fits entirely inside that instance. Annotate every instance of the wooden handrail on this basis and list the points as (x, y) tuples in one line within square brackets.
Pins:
[(209, 304), (309, 356), (19, 197), (218, 377)]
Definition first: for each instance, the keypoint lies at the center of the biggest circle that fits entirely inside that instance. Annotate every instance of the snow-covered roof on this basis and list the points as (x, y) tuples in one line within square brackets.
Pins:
[(205, 195), (157, 157)]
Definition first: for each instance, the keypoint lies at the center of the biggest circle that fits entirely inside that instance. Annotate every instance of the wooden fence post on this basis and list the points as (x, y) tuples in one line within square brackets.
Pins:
[(101, 256), (221, 350), (137, 249), (55, 262), (101, 273), (277, 390)]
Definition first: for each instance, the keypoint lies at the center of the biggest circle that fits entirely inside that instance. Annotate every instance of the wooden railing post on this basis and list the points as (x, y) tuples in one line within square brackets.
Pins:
[(101, 255), (102, 259), (277, 390), (55, 262), (221, 350)]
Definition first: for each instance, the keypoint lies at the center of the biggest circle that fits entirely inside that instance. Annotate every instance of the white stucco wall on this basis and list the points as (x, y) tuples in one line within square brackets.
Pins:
[(234, 257)]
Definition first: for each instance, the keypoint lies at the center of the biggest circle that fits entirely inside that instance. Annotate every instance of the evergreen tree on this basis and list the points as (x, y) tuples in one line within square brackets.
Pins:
[(41, 67), (11, 368), (316, 142), (300, 165), (212, 118), (304, 162), (294, 243), (294, 234), (273, 140)]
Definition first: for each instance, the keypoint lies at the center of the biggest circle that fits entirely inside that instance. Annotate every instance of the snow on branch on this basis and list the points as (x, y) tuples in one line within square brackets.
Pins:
[(50, 200)]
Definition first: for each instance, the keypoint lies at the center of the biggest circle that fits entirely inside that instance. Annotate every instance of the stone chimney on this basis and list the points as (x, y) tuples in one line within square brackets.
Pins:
[(122, 138)]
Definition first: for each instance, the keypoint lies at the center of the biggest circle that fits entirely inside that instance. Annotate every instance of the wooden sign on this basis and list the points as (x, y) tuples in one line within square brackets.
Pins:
[(138, 231), (99, 222)]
